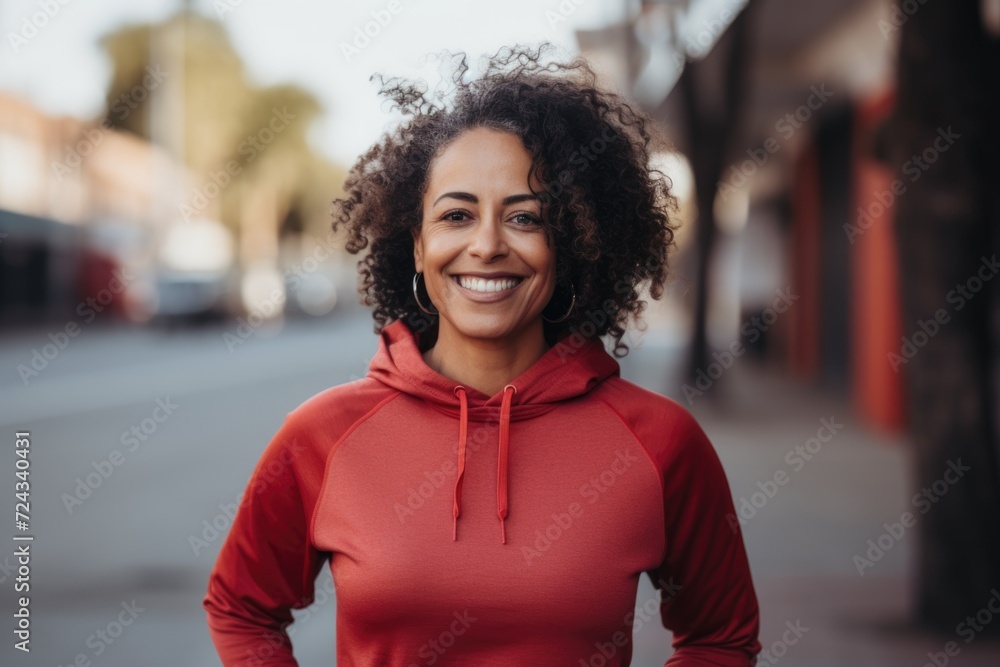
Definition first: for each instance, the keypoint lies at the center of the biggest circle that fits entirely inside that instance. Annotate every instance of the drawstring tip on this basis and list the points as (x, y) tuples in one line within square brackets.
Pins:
[(454, 530), (503, 535)]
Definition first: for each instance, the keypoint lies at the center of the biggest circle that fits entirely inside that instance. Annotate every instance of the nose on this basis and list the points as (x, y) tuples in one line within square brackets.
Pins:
[(488, 240)]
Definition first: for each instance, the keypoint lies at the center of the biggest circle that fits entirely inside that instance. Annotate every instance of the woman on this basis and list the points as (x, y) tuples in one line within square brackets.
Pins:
[(492, 491)]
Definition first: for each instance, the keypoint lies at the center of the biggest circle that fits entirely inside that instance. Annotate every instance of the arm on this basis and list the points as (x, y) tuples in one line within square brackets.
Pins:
[(267, 565), (707, 595)]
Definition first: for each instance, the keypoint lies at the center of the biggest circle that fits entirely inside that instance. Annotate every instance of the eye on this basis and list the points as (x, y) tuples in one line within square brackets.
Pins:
[(527, 218), (456, 212)]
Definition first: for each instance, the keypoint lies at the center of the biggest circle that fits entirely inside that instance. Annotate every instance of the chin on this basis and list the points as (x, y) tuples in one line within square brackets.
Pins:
[(479, 326)]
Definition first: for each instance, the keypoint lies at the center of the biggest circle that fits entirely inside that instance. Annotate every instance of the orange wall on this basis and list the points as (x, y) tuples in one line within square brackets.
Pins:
[(877, 390)]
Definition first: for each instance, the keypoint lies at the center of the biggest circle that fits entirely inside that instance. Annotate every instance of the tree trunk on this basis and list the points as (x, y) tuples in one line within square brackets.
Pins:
[(710, 132), (944, 141)]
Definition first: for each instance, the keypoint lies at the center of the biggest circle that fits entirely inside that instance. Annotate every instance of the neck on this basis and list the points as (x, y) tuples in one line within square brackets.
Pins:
[(485, 364)]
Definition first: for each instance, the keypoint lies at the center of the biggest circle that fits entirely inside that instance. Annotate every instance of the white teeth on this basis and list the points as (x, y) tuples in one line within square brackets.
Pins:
[(481, 285)]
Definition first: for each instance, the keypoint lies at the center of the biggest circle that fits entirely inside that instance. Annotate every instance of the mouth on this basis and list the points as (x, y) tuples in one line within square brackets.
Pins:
[(487, 286)]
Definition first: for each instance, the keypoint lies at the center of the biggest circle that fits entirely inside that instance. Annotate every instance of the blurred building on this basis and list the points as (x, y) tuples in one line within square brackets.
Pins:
[(78, 172), (75, 204), (802, 201), (80, 201)]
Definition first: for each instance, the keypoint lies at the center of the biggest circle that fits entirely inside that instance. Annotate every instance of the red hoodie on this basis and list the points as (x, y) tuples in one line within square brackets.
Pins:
[(466, 529)]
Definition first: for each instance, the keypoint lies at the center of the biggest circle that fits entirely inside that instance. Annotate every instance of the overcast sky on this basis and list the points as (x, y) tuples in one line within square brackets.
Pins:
[(62, 70)]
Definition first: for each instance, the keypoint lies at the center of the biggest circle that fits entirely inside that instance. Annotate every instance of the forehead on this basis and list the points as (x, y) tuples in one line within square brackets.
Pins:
[(482, 160)]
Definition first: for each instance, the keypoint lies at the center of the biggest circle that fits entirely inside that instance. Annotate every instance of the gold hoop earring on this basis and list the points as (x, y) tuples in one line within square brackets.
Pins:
[(416, 296), (572, 303)]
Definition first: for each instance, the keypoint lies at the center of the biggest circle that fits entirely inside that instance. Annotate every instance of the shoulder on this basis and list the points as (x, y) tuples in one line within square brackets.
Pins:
[(663, 426), (337, 408), (312, 429)]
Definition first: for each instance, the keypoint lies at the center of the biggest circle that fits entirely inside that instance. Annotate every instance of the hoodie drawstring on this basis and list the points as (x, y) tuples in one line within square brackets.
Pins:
[(502, 458), (463, 428), (463, 425)]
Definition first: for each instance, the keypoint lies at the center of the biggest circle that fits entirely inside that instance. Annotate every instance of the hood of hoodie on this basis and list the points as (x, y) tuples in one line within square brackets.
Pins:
[(571, 368)]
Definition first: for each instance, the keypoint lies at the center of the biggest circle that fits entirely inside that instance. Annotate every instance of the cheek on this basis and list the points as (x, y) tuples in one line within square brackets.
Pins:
[(543, 261), (438, 248)]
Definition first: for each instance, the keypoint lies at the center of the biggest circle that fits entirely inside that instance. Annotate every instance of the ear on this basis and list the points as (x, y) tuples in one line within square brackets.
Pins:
[(418, 249)]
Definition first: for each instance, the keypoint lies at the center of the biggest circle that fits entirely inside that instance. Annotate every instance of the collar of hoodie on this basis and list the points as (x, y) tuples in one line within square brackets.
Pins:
[(568, 370)]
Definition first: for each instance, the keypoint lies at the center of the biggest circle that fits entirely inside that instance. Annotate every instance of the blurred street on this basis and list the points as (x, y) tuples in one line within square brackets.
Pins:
[(94, 555), (106, 552)]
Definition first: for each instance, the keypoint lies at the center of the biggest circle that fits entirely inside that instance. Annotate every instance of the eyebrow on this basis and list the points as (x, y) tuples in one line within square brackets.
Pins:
[(468, 196)]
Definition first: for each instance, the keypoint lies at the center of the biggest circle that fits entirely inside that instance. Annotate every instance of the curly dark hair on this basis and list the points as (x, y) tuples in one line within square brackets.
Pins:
[(609, 211)]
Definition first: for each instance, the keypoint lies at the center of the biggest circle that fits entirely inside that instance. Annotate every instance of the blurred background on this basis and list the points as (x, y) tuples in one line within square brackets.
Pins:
[(169, 290)]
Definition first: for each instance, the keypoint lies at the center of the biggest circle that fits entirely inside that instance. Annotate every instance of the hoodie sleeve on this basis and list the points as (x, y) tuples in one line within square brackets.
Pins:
[(707, 596), (267, 565)]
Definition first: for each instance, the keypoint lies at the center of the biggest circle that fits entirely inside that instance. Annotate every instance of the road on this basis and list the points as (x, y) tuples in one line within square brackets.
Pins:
[(204, 411)]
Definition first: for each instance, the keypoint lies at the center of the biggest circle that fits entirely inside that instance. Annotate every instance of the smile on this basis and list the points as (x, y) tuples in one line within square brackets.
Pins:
[(475, 284)]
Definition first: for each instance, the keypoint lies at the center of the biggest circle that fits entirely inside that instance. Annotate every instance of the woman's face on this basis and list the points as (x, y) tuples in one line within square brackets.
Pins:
[(481, 246)]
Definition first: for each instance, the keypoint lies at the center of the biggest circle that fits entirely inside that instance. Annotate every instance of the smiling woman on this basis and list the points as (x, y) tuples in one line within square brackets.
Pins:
[(487, 261), (531, 138), (508, 232)]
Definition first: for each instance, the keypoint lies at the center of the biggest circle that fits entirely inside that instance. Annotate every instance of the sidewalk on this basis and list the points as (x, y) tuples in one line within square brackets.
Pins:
[(803, 534)]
